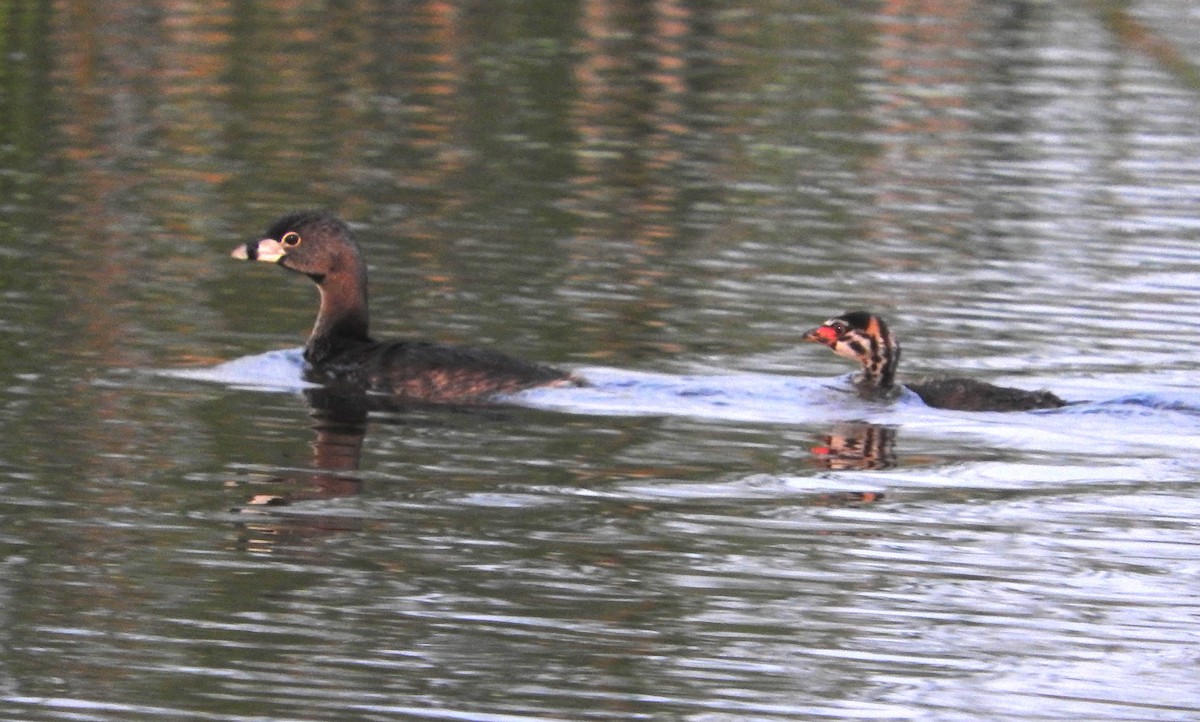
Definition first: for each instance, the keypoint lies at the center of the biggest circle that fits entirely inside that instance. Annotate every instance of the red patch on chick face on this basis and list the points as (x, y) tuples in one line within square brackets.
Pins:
[(822, 334)]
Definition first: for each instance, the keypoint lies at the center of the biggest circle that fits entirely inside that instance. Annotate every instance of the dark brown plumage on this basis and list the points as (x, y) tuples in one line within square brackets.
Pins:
[(866, 338), (972, 395), (340, 350)]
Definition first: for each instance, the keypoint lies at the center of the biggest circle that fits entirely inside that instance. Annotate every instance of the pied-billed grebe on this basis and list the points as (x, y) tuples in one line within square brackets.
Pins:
[(341, 350), (864, 337)]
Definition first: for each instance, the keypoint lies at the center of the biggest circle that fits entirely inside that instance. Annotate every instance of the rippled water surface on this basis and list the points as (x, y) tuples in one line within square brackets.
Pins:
[(661, 196)]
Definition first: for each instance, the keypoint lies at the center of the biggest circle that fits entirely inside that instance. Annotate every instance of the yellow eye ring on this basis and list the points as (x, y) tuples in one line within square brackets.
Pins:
[(291, 239)]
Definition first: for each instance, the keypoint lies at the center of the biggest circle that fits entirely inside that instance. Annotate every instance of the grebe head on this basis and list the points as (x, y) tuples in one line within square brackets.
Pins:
[(865, 338)]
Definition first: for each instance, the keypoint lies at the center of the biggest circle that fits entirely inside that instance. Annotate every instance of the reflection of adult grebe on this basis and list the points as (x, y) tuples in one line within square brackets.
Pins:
[(339, 423), (340, 351), (865, 338)]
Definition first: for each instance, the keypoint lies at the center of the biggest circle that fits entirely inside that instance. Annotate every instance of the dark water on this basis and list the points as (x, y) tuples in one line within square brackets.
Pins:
[(662, 195)]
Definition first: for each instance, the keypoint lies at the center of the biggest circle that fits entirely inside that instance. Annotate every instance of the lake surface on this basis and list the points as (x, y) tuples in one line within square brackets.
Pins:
[(661, 196)]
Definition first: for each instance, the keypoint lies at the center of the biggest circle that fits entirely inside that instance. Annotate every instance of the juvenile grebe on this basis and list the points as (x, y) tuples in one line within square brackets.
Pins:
[(340, 349), (865, 338)]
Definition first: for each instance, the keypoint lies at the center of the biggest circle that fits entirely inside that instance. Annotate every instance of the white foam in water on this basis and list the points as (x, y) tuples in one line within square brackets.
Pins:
[(1151, 418), (750, 397), (1110, 421), (271, 371)]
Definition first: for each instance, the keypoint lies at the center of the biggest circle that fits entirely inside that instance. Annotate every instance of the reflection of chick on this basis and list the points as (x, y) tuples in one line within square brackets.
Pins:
[(865, 338), (857, 446)]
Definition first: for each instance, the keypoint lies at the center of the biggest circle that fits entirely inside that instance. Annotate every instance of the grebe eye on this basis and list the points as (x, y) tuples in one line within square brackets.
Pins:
[(291, 239), (839, 327)]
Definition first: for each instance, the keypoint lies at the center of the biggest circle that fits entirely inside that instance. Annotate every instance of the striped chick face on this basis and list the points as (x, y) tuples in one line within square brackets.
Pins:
[(861, 337)]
